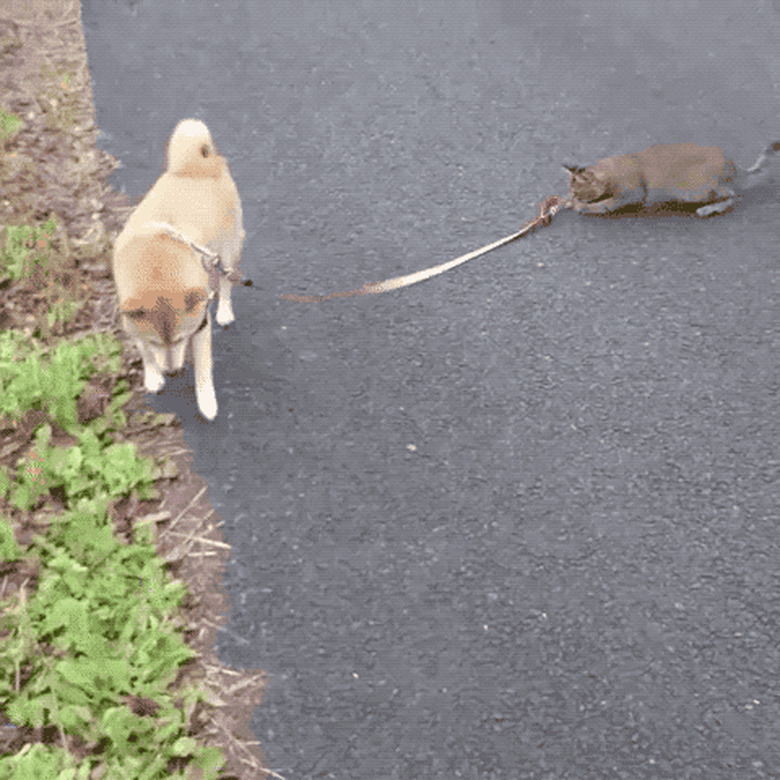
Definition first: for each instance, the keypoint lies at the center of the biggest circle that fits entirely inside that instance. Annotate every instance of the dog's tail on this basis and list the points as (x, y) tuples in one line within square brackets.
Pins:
[(189, 142)]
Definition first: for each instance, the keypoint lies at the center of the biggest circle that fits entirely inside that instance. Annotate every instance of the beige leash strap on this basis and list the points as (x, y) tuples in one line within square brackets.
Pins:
[(550, 206)]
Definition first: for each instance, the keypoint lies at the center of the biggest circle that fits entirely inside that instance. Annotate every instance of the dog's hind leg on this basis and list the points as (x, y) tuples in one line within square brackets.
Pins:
[(224, 307), (231, 256), (204, 379)]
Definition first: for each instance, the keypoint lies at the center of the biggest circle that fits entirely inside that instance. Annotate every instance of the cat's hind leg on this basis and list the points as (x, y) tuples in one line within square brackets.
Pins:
[(719, 207)]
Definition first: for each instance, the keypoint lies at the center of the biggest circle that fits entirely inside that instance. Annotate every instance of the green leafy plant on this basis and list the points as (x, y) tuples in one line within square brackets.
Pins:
[(94, 650), (41, 761), (9, 549), (62, 311), (81, 470), (99, 633), (40, 259), (5, 482), (33, 378), (27, 248), (10, 124)]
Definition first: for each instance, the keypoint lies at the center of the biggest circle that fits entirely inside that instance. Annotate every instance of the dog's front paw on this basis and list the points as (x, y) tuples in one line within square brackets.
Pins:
[(225, 314), (207, 402), (153, 380)]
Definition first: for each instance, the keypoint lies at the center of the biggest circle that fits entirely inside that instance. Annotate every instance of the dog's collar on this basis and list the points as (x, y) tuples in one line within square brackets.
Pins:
[(211, 260)]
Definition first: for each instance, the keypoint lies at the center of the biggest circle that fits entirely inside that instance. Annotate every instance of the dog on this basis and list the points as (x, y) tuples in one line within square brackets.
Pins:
[(669, 175), (191, 216)]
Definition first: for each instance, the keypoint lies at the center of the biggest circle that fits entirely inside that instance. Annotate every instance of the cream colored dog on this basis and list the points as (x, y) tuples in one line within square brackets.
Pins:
[(670, 174), (192, 213)]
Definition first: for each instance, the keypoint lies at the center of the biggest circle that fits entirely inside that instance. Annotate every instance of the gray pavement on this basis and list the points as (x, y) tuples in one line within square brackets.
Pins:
[(519, 521)]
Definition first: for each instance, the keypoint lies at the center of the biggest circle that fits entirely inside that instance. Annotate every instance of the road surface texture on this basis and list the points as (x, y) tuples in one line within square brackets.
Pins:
[(520, 521)]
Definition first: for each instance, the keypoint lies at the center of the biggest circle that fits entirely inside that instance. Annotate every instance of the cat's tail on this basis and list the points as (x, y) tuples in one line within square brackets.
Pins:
[(766, 168), (771, 151)]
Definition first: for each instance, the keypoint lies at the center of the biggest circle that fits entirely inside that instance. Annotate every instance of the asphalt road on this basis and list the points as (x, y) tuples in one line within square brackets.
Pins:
[(519, 521)]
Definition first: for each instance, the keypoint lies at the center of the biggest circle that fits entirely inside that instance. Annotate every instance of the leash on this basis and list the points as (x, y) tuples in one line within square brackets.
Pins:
[(548, 208), (214, 260)]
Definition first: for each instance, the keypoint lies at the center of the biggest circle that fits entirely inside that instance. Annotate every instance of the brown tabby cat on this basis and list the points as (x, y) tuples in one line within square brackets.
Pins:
[(672, 174)]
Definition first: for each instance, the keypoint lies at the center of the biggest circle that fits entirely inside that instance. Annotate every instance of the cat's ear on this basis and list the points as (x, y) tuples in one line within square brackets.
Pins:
[(573, 168)]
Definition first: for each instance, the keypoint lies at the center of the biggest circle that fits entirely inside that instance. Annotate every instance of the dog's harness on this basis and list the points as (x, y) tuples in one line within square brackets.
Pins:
[(212, 262)]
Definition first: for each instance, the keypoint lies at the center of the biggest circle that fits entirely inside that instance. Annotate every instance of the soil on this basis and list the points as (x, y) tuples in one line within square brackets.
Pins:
[(53, 167)]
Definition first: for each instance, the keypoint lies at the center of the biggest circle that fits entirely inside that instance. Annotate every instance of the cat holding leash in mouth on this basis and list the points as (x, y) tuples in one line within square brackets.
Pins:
[(673, 175), (664, 177)]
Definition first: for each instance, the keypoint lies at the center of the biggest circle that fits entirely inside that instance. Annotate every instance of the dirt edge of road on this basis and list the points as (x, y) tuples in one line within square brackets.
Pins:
[(54, 167)]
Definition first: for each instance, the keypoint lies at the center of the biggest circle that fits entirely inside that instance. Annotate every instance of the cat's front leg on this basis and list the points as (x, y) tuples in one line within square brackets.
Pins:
[(598, 207)]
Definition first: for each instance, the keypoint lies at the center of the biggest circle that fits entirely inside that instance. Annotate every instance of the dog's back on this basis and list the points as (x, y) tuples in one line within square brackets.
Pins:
[(195, 194)]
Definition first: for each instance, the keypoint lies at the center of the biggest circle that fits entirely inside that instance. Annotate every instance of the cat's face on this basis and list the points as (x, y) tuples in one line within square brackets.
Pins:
[(586, 185)]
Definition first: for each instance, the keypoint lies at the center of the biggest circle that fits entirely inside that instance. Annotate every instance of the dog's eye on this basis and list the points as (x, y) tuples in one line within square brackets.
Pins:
[(135, 314), (204, 150), (193, 298)]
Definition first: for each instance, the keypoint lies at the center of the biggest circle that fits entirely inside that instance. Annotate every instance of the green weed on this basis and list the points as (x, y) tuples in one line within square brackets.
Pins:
[(27, 250), (62, 311), (33, 378), (10, 124), (39, 260), (9, 549), (79, 470), (38, 760), (94, 650)]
